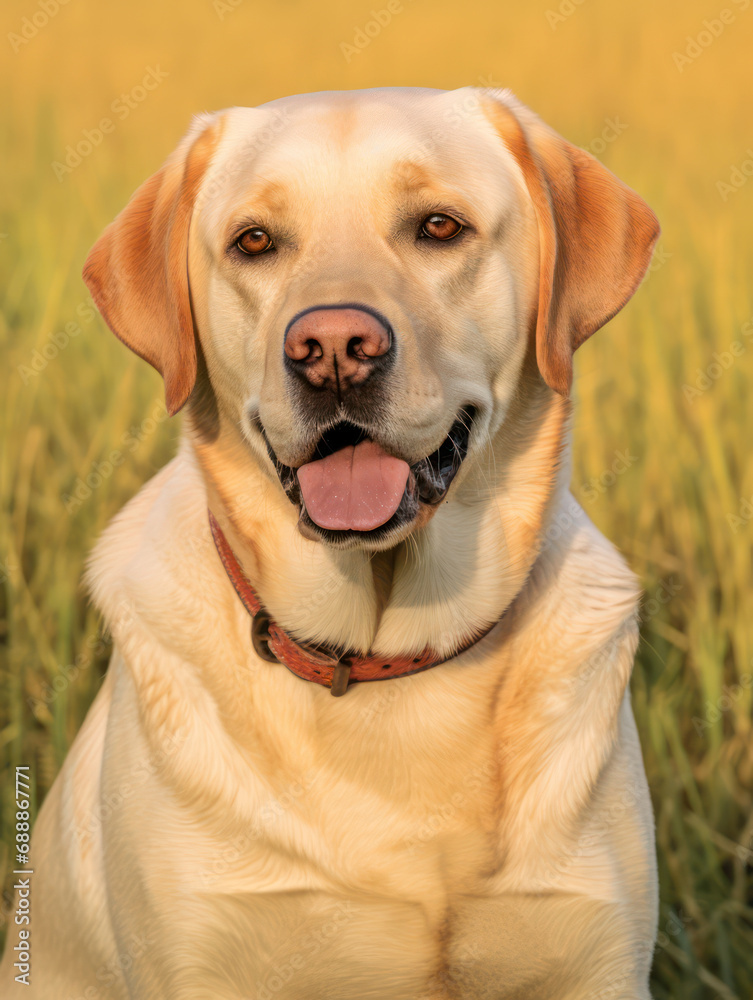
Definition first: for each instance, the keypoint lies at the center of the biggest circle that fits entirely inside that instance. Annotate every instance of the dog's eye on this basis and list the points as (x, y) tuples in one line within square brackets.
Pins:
[(440, 227), (254, 241)]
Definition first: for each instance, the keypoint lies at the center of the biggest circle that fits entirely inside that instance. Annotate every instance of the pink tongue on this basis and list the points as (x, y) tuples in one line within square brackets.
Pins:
[(356, 488)]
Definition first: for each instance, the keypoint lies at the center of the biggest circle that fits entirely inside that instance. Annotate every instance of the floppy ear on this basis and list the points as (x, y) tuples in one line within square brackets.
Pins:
[(137, 271), (596, 236)]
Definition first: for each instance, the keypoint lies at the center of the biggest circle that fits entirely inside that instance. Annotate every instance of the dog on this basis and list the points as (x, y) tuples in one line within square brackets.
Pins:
[(366, 730)]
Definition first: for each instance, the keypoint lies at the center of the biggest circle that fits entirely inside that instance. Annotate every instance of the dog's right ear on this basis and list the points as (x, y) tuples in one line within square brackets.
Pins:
[(137, 271)]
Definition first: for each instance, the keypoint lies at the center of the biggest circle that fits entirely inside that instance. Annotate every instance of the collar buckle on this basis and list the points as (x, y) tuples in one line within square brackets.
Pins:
[(339, 665), (260, 636)]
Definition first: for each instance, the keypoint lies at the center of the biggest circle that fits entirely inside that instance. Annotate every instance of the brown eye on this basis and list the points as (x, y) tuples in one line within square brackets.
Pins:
[(254, 241), (440, 227)]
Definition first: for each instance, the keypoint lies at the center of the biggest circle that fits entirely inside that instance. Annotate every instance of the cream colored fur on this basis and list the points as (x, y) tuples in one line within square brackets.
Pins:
[(223, 829)]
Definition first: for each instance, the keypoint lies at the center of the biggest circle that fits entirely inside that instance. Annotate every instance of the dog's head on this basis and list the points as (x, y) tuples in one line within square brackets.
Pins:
[(358, 279)]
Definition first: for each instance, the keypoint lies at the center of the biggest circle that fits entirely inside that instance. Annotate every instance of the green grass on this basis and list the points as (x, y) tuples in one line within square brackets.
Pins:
[(662, 471)]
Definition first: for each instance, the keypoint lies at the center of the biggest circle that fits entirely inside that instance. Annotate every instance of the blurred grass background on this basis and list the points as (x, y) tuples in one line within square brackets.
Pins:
[(663, 470)]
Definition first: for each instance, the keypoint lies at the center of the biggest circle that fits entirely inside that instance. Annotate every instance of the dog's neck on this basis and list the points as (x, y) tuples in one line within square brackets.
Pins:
[(448, 580)]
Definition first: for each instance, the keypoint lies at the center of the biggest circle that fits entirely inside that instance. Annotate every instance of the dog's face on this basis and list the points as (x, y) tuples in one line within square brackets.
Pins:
[(367, 271), (362, 288)]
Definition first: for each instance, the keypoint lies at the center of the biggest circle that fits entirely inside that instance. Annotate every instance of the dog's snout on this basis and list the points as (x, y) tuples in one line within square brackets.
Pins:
[(336, 348)]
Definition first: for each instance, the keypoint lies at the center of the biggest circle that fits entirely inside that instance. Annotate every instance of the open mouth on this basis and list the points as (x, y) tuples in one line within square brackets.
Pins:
[(351, 489)]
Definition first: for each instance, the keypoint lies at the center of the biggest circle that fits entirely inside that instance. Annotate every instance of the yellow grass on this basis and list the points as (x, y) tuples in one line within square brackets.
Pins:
[(674, 499)]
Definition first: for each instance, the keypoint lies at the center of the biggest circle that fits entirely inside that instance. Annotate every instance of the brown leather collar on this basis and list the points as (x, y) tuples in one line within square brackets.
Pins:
[(324, 665)]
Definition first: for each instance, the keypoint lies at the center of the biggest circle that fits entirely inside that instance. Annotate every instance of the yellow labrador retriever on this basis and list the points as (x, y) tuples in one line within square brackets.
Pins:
[(366, 732)]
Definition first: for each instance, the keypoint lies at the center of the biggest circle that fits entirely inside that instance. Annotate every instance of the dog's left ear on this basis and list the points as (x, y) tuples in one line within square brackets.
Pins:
[(596, 236), (137, 271)]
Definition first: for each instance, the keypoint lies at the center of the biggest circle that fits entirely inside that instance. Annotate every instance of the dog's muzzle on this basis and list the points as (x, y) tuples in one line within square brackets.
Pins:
[(353, 488)]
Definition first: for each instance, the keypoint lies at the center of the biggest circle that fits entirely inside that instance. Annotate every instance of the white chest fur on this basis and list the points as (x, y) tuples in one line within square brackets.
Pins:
[(460, 832)]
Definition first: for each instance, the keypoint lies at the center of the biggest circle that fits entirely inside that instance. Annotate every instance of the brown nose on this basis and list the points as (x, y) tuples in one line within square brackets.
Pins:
[(336, 348)]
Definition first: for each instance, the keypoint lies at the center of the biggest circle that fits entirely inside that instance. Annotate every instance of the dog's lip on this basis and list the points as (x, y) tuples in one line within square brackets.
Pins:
[(430, 477)]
